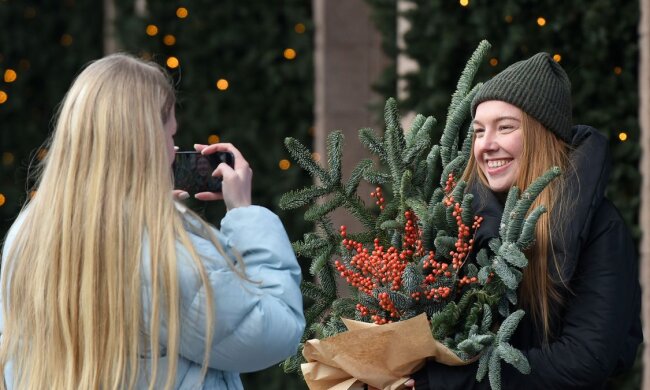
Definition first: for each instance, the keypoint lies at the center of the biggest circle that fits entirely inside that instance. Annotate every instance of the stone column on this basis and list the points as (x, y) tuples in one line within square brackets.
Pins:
[(348, 60)]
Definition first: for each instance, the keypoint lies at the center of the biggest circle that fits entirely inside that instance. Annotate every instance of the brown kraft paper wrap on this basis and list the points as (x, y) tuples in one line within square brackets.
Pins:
[(383, 356)]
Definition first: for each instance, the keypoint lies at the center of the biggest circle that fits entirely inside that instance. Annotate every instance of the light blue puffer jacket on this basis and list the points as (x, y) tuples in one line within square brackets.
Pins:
[(257, 323)]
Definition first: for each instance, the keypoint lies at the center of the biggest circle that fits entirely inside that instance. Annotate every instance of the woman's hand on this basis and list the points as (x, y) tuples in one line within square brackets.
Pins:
[(236, 185)]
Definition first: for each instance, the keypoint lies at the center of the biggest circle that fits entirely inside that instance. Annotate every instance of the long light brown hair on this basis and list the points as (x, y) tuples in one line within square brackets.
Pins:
[(541, 151), (72, 282)]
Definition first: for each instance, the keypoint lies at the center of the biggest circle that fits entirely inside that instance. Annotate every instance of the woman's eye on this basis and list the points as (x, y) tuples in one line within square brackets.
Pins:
[(479, 132), (506, 128)]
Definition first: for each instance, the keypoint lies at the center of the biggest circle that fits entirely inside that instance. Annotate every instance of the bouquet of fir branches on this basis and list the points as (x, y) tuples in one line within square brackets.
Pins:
[(415, 259)]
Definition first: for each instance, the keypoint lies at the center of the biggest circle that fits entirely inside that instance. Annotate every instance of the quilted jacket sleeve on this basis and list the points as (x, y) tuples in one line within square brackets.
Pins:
[(257, 322)]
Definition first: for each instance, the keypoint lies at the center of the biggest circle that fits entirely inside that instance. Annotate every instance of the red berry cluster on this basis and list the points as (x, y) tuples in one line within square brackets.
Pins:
[(379, 196)]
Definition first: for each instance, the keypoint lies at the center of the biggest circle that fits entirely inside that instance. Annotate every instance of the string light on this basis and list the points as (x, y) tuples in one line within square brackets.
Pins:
[(3, 97), (618, 70), (7, 158), (284, 164), (289, 54), (181, 12), (494, 61), (213, 139), (541, 21), (2, 200), (10, 76), (557, 57), (222, 84), (299, 28), (66, 40), (172, 62), (464, 3), (152, 30), (169, 40), (622, 136), (508, 18), (315, 156)]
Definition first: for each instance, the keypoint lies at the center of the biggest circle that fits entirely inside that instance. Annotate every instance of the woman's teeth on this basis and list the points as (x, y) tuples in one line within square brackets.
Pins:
[(497, 163)]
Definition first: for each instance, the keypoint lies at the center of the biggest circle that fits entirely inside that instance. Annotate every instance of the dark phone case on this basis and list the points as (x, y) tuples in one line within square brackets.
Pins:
[(193, 171)]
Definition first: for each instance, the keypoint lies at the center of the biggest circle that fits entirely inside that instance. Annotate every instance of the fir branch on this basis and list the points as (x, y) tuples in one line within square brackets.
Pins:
[(503, 271), (334, 155), (320, 261), (312, 291), (527, 198), (456, 167), (303, 157), (431, 179), (295, 199), (468, 74), (467, 215), (376, 177), (318, 211), (454, 121), (511, 253), (372, 142), (416, 125), (511, 200), (527, 236), (514, 357), (486, 322), (466, 150), (356, 176)]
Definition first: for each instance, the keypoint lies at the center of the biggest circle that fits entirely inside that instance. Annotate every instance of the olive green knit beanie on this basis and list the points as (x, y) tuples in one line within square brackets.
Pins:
[(539, 87)]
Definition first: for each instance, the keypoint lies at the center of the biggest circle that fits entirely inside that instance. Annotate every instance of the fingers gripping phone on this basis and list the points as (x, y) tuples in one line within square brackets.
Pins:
[(193, 171)]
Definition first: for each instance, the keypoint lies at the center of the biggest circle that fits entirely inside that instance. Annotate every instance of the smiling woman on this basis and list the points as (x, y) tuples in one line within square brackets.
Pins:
[(582, 324)]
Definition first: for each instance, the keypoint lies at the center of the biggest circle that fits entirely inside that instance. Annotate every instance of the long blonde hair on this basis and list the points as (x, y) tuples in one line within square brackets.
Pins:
[(72, 289), (541, 150)]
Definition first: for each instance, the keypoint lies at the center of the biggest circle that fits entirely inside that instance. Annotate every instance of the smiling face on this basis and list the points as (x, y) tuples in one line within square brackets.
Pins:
[(498, 143)]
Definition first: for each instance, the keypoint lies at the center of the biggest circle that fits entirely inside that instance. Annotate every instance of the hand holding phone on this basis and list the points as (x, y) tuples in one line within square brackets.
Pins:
[(237, 180), (193, 171)]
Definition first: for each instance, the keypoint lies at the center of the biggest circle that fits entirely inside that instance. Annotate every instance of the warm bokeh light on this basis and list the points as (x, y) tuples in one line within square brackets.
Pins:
[(508, 18), (284, 164), (299, 28), (541, 22), (2, 200), (311, 130), (32, 194), (315, 156), (66, 39), (169, 40), (557, 57), (213, 139), (172, 62), (181, 12), (289, 54), (494, 62), (152, 30), (622, 136), (7, 158), (10, 76), (464, 3), (222, 84), (618, 70), (3, 97)]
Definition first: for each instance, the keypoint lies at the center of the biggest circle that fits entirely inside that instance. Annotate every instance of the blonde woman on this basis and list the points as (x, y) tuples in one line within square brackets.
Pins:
[(108, 283)]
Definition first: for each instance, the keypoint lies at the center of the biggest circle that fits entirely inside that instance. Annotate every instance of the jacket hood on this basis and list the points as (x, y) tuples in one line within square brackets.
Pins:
[(585, 181)]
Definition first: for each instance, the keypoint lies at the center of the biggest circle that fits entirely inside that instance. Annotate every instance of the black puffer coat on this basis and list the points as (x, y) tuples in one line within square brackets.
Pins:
[(598, 330)]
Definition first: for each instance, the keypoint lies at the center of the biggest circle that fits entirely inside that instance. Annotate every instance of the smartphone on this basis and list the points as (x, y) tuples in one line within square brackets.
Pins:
[(193, 171)]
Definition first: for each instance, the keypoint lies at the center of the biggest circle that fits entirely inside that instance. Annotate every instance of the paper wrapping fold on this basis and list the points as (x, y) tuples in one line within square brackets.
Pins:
[(382, 356)]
